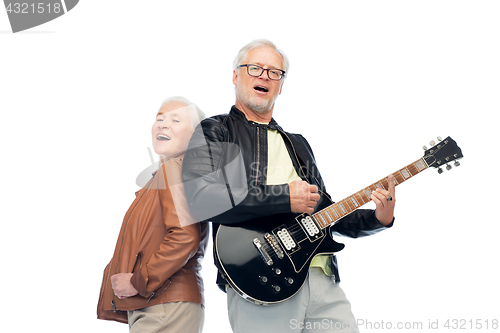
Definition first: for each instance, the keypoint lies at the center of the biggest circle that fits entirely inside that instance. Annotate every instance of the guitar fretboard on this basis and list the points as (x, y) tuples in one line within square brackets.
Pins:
[(338, 210)]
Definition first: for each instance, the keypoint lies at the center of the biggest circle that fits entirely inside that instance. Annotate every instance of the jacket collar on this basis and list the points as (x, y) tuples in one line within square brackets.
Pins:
[(162, 161), (235, 112)]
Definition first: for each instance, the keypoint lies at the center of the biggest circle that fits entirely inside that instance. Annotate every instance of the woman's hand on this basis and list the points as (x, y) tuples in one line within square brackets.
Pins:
[(122, 286)]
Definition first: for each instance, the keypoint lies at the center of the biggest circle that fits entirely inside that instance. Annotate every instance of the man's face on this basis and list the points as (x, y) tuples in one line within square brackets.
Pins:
[(258, 93), (172, 130)]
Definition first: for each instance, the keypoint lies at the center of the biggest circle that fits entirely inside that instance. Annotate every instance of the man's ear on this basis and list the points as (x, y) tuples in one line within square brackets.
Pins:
[(281, 86), (235, 77)]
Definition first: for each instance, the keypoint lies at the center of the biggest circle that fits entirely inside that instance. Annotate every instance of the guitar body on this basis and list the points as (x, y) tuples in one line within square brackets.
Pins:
[(267, 261)]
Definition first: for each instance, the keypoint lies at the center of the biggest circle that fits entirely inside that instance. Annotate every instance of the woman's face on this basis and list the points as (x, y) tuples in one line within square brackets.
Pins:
[(172, 130)]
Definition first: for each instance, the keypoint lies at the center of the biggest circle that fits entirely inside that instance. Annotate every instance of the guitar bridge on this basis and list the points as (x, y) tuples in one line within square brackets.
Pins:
[(274, 245), (263, 252)]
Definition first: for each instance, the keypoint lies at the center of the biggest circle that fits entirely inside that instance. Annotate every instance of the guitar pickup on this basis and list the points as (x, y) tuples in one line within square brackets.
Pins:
[(286, 239), (310, 227), (263, 252)]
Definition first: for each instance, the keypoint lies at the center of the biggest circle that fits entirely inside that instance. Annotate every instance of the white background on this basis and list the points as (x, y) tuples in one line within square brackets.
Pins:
[(370, 83)]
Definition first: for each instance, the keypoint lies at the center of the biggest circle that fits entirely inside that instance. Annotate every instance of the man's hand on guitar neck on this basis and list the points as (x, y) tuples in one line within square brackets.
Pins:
[(385, 201), (303, 197)]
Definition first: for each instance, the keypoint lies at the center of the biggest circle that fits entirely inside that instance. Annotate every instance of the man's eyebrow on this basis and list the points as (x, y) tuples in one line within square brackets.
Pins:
[(262, 65)]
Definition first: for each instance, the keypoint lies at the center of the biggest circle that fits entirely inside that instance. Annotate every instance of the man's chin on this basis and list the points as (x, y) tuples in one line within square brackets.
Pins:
[(260, 110), (262, 107), (256, 104)]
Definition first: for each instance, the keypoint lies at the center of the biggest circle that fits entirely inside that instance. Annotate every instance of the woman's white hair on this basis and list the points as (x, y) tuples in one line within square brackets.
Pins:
[(242, 55), (195, 113)]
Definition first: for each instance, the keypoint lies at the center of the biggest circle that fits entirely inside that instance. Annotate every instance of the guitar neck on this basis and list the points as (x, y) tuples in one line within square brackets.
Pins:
[(331, 214)]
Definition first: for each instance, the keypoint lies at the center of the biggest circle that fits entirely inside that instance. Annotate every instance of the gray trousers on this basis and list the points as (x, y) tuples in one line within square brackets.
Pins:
[(319, 306), (185, 317)]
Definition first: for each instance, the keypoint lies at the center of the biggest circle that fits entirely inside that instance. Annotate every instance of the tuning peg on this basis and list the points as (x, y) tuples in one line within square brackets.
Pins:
[(440, 170), (448, 167), (457, 163), (424, 147), (432, 143), (439, 138)]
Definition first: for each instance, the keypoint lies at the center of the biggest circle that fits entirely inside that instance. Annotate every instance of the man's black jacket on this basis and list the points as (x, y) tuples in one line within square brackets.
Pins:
[(224, 174)]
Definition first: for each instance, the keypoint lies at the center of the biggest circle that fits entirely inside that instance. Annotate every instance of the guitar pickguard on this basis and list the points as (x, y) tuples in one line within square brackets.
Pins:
[(305, 232)]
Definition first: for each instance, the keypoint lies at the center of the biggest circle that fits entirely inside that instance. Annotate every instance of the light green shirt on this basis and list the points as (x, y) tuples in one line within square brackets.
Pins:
[(280, 170)]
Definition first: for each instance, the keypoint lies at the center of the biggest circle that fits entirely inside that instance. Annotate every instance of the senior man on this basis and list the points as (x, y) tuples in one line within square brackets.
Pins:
[(241, 167)]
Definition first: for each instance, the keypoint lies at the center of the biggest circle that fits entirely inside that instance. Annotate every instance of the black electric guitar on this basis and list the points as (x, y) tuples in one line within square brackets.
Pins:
[(266, 261)]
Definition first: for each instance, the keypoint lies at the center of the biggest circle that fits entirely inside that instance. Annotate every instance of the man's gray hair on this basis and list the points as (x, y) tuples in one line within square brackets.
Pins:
[(196, 115), (254, 45)]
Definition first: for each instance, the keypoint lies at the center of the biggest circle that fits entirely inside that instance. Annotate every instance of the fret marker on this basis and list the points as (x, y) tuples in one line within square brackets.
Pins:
[(342, 208), (337, 216), (420, 165), (323, 221)]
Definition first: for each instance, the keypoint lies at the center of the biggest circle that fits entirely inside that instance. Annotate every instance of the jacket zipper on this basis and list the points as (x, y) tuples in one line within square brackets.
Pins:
[(154, 292), (258, 156), (113, 304), (146, 190), (295, 154), (300, 167)]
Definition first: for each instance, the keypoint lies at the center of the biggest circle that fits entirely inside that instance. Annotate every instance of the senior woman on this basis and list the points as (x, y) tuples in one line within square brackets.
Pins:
[(153, 280)]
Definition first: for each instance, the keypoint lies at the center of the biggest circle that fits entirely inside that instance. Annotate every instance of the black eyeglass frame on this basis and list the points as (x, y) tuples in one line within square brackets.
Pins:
[(263, 70)]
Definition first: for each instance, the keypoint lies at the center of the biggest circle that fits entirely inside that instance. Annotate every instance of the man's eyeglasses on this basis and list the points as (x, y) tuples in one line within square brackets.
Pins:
[(256, 70)]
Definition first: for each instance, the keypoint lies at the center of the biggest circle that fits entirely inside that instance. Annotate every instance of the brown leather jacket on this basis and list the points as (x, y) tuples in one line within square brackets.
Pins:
[(160, 245)]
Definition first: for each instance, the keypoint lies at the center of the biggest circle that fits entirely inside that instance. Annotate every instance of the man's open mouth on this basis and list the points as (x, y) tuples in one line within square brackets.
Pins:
[(162, 137), (261, 88)]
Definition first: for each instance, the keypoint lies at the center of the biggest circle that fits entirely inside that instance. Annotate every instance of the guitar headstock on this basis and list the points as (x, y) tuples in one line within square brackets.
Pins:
[(442, 153)]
